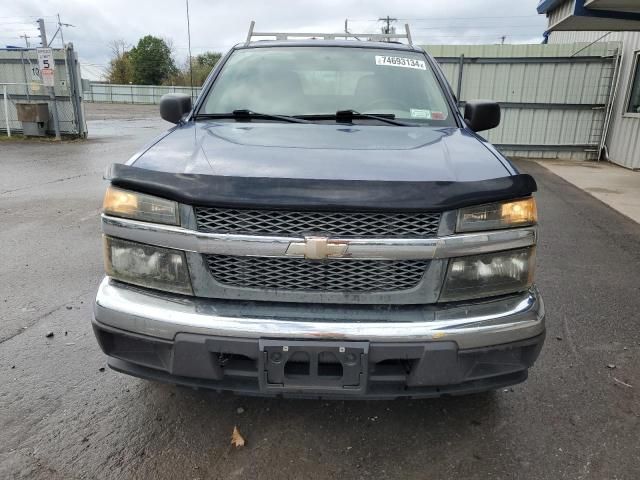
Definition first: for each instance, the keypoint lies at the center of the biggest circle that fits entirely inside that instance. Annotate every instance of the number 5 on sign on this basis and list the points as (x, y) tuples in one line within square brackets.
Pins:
[(45, 58), (46, 65)]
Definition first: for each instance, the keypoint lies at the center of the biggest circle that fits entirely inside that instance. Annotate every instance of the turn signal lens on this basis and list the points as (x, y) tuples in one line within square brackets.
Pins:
[(140, 206), (494, 216)]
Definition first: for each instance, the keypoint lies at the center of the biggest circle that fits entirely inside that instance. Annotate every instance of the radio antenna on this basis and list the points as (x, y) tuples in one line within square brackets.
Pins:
[(190, 58)]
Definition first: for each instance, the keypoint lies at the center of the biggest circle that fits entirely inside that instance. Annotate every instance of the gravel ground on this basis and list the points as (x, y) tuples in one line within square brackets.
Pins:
[(63, 415)]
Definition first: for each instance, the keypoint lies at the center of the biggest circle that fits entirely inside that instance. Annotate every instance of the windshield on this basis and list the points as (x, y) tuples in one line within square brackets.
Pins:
[(299, 81)]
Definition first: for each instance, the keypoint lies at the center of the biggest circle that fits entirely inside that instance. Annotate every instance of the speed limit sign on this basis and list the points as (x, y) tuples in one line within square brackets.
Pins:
[(45, 58), (46, 65)]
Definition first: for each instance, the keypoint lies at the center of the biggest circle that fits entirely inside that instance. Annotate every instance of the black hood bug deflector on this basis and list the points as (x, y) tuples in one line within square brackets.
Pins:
[(319, 194)]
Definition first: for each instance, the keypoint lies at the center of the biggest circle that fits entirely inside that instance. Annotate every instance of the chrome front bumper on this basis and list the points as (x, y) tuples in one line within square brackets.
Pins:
[(470, 324)]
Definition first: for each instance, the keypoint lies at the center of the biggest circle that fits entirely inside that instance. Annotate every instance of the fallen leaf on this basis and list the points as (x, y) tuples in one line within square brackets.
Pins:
[(236, 439)]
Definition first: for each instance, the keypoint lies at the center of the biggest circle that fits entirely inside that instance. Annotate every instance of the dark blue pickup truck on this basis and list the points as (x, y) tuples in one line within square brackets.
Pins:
[(322, 222)]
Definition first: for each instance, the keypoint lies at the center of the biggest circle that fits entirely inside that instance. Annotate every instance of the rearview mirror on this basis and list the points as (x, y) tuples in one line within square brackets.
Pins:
[(174, 106), (482, 115)]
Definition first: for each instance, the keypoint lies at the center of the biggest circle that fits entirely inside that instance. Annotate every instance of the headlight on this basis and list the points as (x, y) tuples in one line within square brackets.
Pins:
[(489, 275), (493, 216), (140, 206), (147, 265)]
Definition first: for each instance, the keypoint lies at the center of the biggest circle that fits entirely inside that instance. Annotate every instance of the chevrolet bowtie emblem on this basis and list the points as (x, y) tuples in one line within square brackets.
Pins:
[(317, 248)]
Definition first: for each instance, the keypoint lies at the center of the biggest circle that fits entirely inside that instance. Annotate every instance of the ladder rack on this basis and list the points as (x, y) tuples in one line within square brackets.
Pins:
[(376, 37)]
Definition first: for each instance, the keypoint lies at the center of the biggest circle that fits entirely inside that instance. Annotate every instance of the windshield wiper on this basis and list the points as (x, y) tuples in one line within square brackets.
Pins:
[(347, 116), (247, 115)]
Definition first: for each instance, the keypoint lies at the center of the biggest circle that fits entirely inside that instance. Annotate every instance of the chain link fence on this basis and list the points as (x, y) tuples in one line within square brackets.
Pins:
[(20, 83)]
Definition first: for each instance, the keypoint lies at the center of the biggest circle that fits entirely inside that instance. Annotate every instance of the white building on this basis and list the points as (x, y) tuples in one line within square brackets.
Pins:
[(607, 20)]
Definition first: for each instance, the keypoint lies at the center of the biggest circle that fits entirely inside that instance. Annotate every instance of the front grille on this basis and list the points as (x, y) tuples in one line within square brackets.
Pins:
[(299, 274), (299, 223)]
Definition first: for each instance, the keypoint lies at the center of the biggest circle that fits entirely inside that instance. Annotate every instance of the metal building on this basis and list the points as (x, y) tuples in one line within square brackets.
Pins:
[(555, 99), (21, 83), (601, 21)]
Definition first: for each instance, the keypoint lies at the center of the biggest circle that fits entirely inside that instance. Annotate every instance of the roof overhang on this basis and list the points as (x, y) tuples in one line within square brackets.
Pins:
[(546, 6), (607, 15), (629, 6)]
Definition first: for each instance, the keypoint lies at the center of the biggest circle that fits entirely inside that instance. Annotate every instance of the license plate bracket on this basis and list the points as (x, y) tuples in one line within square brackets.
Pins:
[(313, 367)]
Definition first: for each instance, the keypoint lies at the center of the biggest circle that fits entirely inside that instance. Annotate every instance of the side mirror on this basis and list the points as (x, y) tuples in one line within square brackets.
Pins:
[(174, 106), (482, 115)]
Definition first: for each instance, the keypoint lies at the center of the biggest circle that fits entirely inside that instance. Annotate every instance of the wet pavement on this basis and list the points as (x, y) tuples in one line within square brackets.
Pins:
[(64, 415)]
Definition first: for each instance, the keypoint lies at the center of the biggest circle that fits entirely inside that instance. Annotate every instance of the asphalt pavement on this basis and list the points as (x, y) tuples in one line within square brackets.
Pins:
[(64, 415)]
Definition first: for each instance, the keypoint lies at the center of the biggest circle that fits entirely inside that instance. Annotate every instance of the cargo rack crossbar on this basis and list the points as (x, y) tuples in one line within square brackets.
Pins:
[(376, 37)]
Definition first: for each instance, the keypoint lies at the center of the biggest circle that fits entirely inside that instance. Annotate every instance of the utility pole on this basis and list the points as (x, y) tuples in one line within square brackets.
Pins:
[(26, 39), (388, 29), (43, 33), (50, 91), (60, 28), (346, 30)]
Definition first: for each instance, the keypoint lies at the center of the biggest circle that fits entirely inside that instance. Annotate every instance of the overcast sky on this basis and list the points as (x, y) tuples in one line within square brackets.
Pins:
[(217, 25)]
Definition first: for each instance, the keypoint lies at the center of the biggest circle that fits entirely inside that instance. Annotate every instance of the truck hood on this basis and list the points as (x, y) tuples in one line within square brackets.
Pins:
[(322, 152)]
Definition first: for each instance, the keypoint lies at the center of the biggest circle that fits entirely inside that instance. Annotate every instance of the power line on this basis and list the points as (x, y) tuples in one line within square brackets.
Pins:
[(412, 19), (27, 16), (488, 35), (469, 18), (26, 22), (472, 27), (15, 33), (17, 19)]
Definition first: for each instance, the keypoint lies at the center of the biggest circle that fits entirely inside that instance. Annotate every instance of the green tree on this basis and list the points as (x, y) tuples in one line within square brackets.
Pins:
[(201, 64), (151, 61), (120, 70), (208, 59)]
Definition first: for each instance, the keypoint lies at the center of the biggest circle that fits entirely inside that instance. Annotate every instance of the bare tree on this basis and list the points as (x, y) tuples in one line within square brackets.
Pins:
[(120, 70)]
